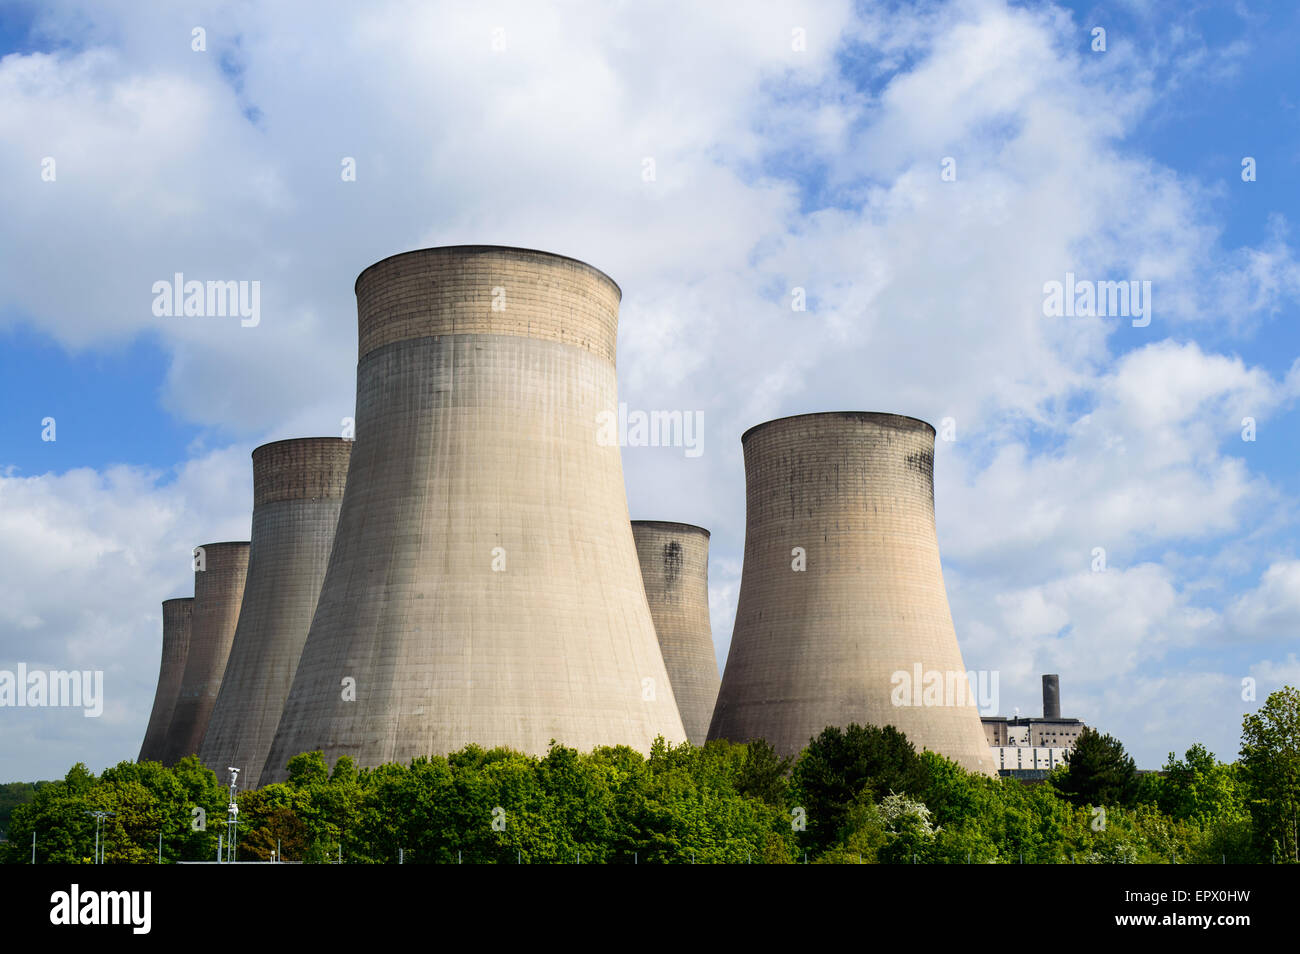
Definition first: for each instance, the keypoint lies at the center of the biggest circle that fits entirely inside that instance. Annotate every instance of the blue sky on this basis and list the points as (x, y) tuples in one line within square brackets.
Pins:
[(776, 168)]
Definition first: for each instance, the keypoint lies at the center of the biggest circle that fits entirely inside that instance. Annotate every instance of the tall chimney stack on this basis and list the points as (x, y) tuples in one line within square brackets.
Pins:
[(1051, 696)]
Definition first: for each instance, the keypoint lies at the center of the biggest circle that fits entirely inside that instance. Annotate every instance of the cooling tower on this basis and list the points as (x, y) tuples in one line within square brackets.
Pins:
[(220, 569), (177, 616), (484, 584), (675, 570), (1051, 697), (842, 615), (297, 491)]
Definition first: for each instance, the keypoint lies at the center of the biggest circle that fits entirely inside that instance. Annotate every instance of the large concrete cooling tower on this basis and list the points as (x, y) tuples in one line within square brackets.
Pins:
[(177, 616), (842, 604), (220, 569), (675, 570), (484, 584), (297, 491)]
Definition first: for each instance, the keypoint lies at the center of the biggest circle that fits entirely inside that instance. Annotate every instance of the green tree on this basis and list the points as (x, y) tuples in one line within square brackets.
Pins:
[(13, 794), (199, 789), (1270, 768), (58, 815), (862, 836), (840, 765), (1098, 772), (307, 769), (145, 800), (690, 807), (269, 819), (764, 774), (950, 792), (1210, 796), (909, 832)]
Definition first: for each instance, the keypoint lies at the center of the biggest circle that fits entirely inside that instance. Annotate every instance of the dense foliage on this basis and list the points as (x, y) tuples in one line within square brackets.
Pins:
[(1099, 772), (861, 794), (1270, 771), (145, 800), (13, 794)]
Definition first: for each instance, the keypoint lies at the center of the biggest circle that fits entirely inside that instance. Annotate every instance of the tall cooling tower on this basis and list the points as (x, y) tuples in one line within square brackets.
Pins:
[(177, 616), (484, 584), (675, 570), (842, 615), (297, 491), (218, 590)]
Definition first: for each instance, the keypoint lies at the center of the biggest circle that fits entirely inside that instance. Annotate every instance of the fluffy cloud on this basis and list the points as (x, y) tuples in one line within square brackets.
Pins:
[(1271, 611), (85, 560)]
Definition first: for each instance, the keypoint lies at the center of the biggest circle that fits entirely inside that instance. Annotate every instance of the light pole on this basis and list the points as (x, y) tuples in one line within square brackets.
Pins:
[(232, 814), (99, 817)]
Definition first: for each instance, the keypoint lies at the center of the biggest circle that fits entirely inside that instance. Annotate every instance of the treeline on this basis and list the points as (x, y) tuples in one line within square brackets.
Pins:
[(13, 794), (857, 794)]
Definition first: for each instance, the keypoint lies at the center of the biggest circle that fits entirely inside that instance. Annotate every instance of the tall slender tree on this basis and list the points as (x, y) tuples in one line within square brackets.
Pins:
[(1270, 766)]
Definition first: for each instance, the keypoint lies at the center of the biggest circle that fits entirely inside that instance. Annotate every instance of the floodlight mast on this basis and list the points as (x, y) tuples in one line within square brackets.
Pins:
[(100, 816), (232, 814)]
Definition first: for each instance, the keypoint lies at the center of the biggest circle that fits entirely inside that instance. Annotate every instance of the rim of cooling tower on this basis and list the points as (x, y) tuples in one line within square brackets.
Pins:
[(673, 523), (295, 440), (875, 417), (489, 248)]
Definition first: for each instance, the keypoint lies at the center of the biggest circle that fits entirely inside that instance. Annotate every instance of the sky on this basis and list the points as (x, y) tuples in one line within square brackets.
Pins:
[(921, 171)]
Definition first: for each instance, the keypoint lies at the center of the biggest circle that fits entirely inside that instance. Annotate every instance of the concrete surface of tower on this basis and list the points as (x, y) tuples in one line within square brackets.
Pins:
[(177, 616), (297, 490), (484, 584), (675, 570), (842, 600), (219, 573)]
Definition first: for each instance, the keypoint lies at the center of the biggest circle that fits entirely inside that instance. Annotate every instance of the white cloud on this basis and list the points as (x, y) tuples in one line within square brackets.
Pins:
[(85, 560), (1271, 611)]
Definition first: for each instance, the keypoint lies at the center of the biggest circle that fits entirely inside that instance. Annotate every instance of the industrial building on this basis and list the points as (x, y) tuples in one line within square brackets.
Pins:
[(484, 584), (675, 570), (177, 618), (1028, 747), (842, 589), (297, 491), (219, 573)]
